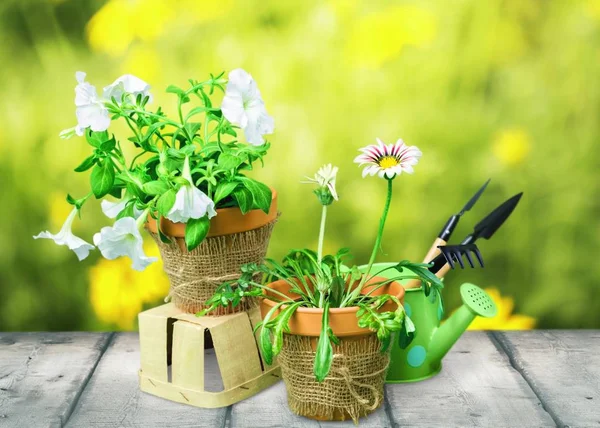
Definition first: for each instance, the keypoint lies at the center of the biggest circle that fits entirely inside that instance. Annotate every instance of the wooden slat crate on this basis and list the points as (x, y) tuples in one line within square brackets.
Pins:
[(172, 356)]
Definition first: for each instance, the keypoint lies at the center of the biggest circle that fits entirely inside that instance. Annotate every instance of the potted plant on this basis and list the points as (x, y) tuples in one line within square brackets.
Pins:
[(331, 326), (184, 178)]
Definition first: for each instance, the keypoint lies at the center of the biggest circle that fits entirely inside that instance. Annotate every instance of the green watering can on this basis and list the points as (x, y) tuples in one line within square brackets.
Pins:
[(422, 359)]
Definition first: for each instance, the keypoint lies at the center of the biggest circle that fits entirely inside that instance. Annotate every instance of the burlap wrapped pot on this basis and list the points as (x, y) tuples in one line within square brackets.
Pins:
[(233, 240), (354, 386)]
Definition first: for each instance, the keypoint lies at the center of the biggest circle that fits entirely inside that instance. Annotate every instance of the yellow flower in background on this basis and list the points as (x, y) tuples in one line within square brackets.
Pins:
[(505, 319), (143, 62), (119, 22), (118, 293), (511, 146), (381, 36)]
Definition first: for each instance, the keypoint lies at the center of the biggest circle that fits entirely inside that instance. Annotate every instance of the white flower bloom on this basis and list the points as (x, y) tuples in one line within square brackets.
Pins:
[(127, 84), (388, 161), (123, 239), (190, 202), (244, 107), (90, 109), (112, 209), (325, 177), (65, 237)]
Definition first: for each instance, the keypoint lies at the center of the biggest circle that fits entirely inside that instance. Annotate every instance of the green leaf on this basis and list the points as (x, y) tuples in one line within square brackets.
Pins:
[(165, 202), (223, 190), (172, 89), (282, 325), (86, 164), (324, 354), (102, 179), (422, 271), (243, 197), (196, 230), (192, 128), (116, 191), (96, 139), (406, 333), (108, 145), (127, 211), (261, 194), (265, 336), (227, 161), (157, 187), (336, 291)]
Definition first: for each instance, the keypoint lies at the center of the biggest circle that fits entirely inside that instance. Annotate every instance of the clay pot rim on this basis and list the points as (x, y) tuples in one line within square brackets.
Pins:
[(332, 311), (256, 218)]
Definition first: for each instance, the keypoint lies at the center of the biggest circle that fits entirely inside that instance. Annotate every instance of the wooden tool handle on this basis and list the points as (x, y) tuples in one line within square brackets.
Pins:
[(443, 271), (431, 254), (434, 250)]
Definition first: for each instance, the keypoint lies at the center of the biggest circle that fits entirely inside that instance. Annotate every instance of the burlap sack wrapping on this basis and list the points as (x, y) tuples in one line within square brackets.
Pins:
[(194, 276), (354, 386)]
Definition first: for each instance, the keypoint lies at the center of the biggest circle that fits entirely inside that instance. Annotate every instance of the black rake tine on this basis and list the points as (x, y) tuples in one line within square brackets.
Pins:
[(457, 254), (449, 259), (478, 255), (469, 258)]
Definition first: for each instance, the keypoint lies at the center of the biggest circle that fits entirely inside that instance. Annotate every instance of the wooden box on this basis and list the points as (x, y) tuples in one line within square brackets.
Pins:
[(176, 366)]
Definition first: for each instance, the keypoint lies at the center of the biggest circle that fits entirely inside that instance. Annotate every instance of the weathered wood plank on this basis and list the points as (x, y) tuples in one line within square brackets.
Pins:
[(269, 409), (563, 368), (112, 397), (476, 387), (43, 374)]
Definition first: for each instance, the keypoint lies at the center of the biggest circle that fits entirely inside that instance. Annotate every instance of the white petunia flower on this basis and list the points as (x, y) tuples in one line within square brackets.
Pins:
[(389, 160), (112, 209), (244, 107), (325, 178), (90, 109), (65, 237), (190, 202), (124, 239), (127, 84)]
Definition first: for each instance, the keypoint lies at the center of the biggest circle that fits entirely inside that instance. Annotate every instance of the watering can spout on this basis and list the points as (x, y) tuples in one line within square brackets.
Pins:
[(476, 302)]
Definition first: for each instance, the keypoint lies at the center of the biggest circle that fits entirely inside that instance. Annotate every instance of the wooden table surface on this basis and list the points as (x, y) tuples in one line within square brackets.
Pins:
[(489, 379)]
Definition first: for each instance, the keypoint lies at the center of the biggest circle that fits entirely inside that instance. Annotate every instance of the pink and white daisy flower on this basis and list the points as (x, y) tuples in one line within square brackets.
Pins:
[(388, 160)]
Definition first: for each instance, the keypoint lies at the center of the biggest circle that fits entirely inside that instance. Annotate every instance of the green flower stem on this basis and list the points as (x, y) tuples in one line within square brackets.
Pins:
[(142, 218), (157, 116), (135, 132), (363, 280), (321, 235), (136, 158)]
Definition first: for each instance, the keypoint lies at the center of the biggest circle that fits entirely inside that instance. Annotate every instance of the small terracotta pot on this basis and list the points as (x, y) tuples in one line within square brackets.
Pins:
[(358, 348), (227, 221), (343, 321)]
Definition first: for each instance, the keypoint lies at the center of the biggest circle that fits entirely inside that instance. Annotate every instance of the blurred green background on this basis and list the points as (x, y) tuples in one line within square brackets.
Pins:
[(506, 89)]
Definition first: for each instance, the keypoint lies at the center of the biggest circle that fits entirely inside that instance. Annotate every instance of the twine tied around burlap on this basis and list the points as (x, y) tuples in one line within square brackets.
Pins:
[(195, 275), (354, 386)]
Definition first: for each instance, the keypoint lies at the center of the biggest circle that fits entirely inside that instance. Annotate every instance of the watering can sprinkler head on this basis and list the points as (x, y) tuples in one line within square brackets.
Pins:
[(476, 302)]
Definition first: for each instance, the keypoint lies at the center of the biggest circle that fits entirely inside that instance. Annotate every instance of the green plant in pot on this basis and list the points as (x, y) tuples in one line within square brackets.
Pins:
[(183, 177), (330, 326)]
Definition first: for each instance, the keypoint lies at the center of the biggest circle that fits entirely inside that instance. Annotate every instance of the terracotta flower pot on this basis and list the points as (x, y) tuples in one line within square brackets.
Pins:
[(233, 240), (354, 386)]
